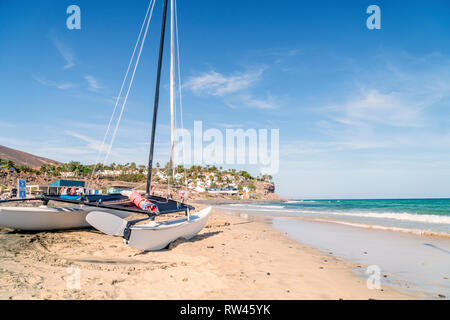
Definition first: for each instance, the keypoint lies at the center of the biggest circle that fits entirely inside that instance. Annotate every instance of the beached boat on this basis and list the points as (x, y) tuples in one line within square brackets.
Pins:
[(45, 218), (153, 235), (48, 218), (107, 211)]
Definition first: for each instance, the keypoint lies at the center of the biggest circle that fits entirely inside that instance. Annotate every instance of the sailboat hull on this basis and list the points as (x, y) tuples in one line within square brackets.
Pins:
[(157, 236), (49, 218)]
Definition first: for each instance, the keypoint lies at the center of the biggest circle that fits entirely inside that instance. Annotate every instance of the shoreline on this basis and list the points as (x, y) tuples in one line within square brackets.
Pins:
[(219, 201), (313, 217), (420, 273), (232, 258), (382, 228)]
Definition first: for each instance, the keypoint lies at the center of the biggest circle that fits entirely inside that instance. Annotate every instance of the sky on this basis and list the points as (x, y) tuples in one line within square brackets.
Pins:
[(361, 113)]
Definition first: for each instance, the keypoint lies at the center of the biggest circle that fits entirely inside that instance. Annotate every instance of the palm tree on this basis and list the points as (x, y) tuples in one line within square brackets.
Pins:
[(9, 165)]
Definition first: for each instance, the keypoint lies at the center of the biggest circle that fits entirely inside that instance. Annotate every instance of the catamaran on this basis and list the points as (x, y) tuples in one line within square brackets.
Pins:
[(45, 218), (107, 213)]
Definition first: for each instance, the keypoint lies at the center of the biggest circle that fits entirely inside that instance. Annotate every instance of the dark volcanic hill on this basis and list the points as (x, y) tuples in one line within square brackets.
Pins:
[(23, 158)]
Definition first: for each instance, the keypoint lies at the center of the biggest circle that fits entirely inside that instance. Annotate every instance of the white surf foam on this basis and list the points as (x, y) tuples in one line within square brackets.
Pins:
[(423, 218), (384, 228), (401, 216)]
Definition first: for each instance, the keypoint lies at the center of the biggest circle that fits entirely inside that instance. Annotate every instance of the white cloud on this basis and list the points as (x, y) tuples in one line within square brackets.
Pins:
[(234, 89), (93, 83), (65, 52), (217, 84), (248, 100), (91, 143), (374, 107), (268, 103), (50, 83)]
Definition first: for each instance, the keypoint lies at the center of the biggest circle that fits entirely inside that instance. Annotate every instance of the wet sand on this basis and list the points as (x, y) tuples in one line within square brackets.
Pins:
[(232, 258), (416, 264)]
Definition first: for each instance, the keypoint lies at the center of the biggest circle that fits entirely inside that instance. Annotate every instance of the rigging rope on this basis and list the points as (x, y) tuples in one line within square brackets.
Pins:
[(120, 93), (180, 94), (130, 85), (146, 22)]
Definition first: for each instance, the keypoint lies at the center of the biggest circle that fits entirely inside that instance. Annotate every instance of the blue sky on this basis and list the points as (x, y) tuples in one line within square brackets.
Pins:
[(362, 113)]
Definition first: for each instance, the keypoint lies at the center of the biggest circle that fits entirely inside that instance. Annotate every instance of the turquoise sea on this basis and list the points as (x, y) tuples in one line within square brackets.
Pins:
[(407, 239), (429, 216)]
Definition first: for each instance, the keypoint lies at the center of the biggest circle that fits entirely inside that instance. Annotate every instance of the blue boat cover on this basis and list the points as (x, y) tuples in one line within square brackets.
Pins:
[(67, 183)]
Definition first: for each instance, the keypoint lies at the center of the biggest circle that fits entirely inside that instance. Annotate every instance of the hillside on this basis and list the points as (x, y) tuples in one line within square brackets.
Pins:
[(264, 191), (207, 182), (23, 158)]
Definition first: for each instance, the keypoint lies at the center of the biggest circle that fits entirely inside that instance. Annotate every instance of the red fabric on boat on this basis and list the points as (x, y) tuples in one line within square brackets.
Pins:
[(142, 203)]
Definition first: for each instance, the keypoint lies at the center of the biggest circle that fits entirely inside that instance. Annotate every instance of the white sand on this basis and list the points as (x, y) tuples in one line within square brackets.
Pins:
[(230, 259)]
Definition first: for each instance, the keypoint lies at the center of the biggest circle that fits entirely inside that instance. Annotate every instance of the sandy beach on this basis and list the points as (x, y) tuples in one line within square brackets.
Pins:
[(232, 258)]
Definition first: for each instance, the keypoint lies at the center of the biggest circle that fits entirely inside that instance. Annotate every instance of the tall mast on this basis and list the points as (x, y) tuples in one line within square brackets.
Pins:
[(172, 86), (155, 111)]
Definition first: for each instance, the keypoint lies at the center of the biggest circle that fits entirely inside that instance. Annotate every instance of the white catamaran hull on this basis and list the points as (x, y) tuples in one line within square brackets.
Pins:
[(157, 236), (49, 218), (154, 235)]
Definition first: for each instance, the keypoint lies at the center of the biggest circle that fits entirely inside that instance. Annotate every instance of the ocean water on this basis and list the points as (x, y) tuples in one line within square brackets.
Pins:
[(419, 216), (407, 239)]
